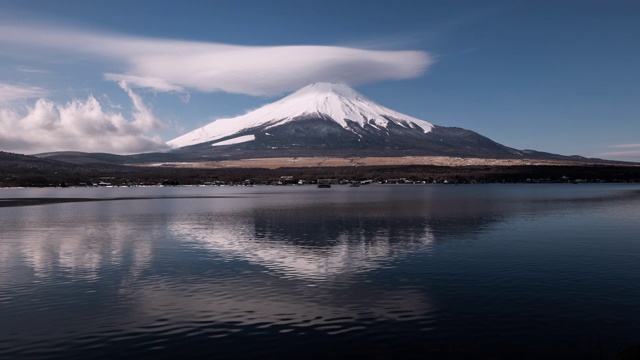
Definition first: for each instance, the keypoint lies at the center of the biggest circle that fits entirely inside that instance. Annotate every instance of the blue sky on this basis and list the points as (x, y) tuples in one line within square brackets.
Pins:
[(125, 76)]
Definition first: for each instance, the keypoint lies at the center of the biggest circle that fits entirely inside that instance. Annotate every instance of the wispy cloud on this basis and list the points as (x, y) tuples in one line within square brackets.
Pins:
[(11, 93), (29, 70), (630, 152), (631, 155), (81, 125), (173, 65), (626, 146)]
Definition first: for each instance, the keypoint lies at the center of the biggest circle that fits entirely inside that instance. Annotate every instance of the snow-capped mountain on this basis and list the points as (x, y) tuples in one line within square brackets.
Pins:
[(337, 102), (329, 119)]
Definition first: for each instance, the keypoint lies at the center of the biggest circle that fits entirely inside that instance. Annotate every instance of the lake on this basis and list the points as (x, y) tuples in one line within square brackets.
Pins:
[(525, 271)]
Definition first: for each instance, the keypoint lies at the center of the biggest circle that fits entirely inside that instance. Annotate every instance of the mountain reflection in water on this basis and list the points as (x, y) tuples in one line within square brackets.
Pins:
[(305, 243)]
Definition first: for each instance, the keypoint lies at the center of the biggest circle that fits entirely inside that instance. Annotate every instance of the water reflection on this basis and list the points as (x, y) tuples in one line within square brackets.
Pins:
[(305, 242), (74, 250), (375, 263), (309, 237), (295, 270)]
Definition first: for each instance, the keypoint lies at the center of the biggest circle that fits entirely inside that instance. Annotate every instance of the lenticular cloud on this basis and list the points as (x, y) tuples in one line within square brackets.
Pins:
[(173, 65), (80, 125), (267, 70)]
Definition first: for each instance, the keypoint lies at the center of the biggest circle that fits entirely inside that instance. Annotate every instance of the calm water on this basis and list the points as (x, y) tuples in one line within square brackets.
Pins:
[(476, 271)]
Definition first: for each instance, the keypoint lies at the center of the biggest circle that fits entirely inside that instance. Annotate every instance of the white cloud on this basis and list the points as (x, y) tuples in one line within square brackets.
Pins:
[(81, 125), (172, 65), (12, 93)]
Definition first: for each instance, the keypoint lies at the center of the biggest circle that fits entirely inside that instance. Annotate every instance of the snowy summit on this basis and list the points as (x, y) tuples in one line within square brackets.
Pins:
[(330, 101)]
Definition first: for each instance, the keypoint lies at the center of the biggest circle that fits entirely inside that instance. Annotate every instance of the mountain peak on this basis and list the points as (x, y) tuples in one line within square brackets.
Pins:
[(321, 88)]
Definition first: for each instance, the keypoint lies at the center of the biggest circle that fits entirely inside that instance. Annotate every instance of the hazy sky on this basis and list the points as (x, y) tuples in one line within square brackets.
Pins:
[(125, 76)]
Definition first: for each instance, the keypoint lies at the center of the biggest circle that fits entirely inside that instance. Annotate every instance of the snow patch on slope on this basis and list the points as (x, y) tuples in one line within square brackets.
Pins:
[(238, 140)]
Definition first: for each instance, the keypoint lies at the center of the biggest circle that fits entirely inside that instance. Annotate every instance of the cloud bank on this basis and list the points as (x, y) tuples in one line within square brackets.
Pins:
[(173, 65), (80, 125)]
